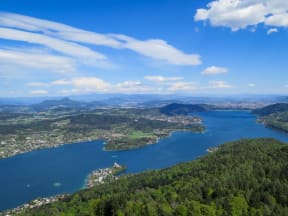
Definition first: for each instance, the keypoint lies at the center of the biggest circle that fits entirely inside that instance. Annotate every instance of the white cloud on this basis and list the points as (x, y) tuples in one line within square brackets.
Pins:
[(162, 78), (55, 29), (219, 84), (39, 92), (71, 41), (158, 49), (81, 85), (129, 83), (36, 59), (251, 85), (37, 84), (278, 20), (132, 86), (272, 30), (90, 84), (64, 47), (214, 70), (61, 82), (239, 14), (182, 86)]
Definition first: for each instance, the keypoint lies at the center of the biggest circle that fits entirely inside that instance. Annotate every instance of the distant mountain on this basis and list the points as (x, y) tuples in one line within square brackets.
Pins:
[(25, 101), (65, 101), (15, 108), (55, 104), (184, 109), (154, 100), (66, 104), (133, 100), (274, 108)]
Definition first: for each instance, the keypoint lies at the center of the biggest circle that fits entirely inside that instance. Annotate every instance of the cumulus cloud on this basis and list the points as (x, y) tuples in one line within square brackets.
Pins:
[(162, 78), (239, 14), (219, 84), (278, 20), (214, 70), (251, 85), (80, 85), (90, 84), (73, 42)]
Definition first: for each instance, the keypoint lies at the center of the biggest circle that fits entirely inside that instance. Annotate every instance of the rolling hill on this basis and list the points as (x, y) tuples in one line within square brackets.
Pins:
[(184, 109)]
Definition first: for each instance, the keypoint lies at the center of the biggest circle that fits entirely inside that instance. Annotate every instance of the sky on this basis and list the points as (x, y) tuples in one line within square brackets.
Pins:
[(62, 48)]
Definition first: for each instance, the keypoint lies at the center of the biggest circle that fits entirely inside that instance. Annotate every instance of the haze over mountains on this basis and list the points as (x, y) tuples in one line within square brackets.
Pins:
[(147, 84), (145, 100)]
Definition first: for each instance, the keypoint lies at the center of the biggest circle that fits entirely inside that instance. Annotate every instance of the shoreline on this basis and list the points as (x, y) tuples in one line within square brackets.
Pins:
[(104, 143), (170, 134), (259, 121), (115, 140), (94, 140), (114, 171), (35, 203), (52, 147), (158, 139), (103, 175)]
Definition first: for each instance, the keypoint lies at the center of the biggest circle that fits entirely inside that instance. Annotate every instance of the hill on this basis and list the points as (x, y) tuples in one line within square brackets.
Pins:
[(274, 108), (56, 104), (184, 109), (246, 177), (274, 116)]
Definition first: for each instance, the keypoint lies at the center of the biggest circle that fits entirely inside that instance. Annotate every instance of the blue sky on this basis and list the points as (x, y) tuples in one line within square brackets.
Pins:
[(50, 48)]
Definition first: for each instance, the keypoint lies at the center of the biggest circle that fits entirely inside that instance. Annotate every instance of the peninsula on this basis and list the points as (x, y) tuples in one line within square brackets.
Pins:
[(121, 128), (106, 175)]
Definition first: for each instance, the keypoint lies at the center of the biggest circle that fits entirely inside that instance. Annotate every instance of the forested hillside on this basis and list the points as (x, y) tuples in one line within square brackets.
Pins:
[(274, 116), (184, 109), (246, 177), (272, 109)]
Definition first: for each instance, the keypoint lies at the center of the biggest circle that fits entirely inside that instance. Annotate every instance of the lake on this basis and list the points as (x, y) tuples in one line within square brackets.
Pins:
[(60, 170)]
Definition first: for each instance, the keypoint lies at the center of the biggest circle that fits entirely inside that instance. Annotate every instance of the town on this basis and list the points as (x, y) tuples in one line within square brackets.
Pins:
[(33, 204), (96, 177), (120, 128), (101, 176)]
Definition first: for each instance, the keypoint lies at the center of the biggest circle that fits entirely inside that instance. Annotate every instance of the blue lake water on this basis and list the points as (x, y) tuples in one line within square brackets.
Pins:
[(60, 170)]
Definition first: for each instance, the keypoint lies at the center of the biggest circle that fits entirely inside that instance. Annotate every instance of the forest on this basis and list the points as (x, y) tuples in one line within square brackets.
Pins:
[(245, 177), (274, 116)]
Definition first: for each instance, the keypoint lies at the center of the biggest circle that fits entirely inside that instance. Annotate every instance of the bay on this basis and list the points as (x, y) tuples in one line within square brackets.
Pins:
[(48, 172)]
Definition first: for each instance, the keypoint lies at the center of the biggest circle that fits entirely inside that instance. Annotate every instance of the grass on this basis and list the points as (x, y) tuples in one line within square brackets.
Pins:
[(136, 134)]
